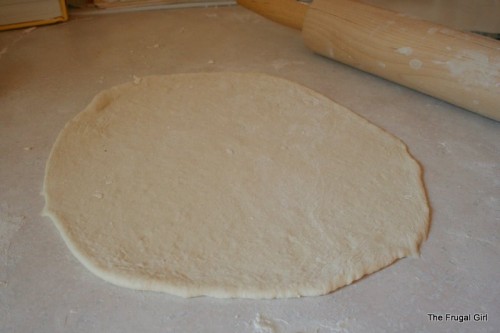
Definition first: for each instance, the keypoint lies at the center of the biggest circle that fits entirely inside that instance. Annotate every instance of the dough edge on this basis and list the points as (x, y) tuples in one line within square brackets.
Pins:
[(101, 100)]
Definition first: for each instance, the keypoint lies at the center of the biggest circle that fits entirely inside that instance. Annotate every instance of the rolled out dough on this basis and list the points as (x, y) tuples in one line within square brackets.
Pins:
[(231, 185)]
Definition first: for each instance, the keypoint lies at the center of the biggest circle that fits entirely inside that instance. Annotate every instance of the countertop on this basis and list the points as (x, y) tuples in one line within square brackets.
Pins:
[(49, 74)]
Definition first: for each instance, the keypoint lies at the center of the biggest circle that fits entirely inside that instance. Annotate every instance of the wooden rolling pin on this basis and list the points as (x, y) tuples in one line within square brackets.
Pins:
[(458, 67)]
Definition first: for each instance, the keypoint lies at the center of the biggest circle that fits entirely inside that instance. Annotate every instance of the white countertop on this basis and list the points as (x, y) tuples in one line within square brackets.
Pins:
[(49, 74)]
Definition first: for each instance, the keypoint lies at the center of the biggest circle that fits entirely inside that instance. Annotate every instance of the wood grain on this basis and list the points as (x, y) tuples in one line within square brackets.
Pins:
[(460, 68)]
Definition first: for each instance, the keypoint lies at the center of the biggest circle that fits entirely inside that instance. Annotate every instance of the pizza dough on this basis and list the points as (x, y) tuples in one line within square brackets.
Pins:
[(231, 185)]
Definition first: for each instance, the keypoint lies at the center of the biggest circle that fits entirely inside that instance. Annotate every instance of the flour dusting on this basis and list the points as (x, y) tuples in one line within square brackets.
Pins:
[(263, 325), (405, 50), (473, 68), (416, 64)]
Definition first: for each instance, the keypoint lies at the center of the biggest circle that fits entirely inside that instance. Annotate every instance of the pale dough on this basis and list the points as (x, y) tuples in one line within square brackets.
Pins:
[(231, 185)]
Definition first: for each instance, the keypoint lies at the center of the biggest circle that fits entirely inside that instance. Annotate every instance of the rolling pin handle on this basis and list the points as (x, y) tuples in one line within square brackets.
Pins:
[(287, 12)]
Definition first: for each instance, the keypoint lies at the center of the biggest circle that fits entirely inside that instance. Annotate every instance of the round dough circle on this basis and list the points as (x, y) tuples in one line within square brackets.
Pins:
[(231, 185)]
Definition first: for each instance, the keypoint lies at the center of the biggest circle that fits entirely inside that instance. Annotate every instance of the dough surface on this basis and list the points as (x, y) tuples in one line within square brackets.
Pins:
[(231, 185)]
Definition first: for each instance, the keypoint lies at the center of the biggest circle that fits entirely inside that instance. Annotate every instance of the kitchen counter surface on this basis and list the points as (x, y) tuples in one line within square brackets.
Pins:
[(48, 74)]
